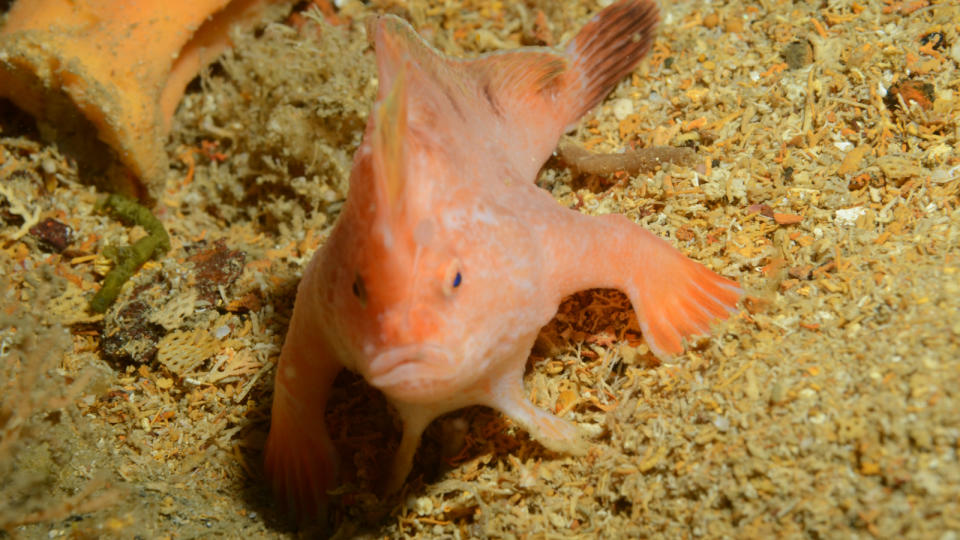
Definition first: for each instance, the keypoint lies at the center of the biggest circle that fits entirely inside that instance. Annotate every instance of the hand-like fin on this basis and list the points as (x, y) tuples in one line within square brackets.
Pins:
[(300, 460), (674, 296), (679, 298)]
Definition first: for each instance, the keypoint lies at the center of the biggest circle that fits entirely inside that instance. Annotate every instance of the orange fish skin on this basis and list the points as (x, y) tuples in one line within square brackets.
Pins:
[(447, 260)]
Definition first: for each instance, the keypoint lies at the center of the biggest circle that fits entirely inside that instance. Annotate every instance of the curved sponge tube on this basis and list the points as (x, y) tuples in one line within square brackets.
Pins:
[(122, 65)]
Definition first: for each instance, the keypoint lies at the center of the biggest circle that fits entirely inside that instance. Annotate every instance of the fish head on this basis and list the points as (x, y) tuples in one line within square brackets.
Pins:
[(422, 299), (419, 306)]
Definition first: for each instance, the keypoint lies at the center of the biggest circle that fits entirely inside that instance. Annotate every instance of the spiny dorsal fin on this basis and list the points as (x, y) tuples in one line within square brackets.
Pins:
[(571, 83), (398, 46), (502, 77), (388, 144)]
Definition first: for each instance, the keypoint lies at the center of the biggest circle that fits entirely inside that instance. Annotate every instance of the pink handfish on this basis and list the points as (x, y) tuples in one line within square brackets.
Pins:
[(447, 259)]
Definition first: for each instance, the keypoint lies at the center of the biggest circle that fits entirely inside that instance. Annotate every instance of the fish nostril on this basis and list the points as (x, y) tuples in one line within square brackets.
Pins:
[(394, 327), (411, 325), (423, 321)]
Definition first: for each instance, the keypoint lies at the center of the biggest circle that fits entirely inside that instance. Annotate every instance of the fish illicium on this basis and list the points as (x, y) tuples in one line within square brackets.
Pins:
[(447, 260)]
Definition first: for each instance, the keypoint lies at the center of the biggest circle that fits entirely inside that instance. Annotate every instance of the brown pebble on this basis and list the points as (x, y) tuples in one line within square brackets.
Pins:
[(787, 219), (910, 90), (800, 272), (128, 332), (798, 54), (858, 182), (52, 234), (216, 267), (733, 25), (684, 234), (754, 304), (711, 20), (763, 209)]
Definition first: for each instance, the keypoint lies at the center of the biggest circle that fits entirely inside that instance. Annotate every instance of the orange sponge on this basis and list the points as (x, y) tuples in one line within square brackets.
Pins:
[(120, 65)]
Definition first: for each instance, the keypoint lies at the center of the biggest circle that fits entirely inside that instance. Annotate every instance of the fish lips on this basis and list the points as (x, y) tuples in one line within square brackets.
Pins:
[(414, 373)]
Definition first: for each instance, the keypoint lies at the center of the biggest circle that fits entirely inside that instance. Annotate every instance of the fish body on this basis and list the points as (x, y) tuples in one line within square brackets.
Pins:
[(447, 260)]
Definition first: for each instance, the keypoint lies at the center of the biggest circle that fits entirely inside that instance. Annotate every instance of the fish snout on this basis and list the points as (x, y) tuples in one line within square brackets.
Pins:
[(416, 324), (413, 373)]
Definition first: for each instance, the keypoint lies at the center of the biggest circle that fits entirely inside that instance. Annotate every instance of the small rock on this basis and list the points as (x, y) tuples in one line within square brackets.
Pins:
[(848, 216), (128, 332), (934, 39), (622, 108), (910, 90), (733, 25), (48, 165), (423, 506), (858, 182), (52, 234), (711, 20), (216, 267), (798, 54), (800, 272)]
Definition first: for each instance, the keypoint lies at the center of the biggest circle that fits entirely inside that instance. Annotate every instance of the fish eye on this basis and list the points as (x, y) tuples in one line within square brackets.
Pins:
[(452, 278), (360, 290)]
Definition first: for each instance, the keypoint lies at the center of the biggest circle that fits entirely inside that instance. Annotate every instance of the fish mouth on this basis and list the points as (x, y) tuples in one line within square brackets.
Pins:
[(415, 372)]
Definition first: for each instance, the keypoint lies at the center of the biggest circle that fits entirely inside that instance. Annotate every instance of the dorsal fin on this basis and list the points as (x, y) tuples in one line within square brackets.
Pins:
[(607, 48), (566, 85), (520, 101), (389, 139), (399, 47), (518, 76), (511, 76)]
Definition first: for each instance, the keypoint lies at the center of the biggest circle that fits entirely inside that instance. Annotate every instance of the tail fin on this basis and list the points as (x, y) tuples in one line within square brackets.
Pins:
[(607, 48)]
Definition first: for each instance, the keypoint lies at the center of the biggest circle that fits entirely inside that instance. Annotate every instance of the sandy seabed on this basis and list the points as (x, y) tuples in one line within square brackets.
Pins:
[(826, 181)]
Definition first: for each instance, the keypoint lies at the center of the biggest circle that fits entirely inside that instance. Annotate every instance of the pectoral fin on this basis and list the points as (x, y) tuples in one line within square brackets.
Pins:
[(300, 460)]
